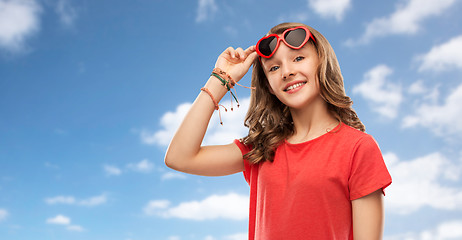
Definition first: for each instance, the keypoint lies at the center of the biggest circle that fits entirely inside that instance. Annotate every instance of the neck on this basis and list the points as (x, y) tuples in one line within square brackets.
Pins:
[(312, 121)]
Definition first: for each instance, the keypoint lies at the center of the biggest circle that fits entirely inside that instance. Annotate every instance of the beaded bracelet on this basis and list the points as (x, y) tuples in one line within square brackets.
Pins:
[(225, 77), (222, 80), (230, 81), (229, 84)]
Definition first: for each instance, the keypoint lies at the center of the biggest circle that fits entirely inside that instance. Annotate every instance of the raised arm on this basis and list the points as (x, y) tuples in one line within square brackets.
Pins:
[(185, 152)]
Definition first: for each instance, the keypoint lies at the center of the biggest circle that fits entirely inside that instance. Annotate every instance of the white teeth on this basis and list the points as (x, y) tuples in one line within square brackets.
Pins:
[(294, 86)]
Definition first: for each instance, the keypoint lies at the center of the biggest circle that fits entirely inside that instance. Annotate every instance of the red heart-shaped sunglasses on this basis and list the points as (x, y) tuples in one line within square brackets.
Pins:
[(294, 38)]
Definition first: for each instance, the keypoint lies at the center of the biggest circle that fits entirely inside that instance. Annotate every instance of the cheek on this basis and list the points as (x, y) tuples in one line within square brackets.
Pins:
[(318, 86), (271, 86)]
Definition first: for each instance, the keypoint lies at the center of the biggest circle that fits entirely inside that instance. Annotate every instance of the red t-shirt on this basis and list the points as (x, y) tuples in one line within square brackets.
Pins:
[(306, 192)]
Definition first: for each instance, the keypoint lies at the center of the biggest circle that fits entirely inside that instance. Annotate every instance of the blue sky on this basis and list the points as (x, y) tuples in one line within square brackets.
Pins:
[(92, 91)]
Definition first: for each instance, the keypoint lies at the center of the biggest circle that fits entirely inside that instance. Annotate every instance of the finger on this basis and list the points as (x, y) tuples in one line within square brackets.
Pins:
[(240, 53), (250, 58), (231, 52), (250, 50)]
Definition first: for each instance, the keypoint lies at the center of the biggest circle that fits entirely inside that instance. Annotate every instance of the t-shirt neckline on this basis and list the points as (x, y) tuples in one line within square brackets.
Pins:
[(334, 130)]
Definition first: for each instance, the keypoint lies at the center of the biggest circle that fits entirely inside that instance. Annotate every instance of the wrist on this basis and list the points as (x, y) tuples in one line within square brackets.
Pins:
[(216, 87)]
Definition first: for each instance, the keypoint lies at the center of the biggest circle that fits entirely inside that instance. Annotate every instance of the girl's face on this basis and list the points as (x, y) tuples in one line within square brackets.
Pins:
[(292, 75)]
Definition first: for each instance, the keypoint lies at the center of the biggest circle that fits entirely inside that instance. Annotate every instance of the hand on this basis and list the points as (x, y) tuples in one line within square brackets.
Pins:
[(236, 62)]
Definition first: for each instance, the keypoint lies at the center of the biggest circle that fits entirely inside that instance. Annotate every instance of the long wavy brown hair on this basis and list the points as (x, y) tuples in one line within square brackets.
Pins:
[(269, 120)]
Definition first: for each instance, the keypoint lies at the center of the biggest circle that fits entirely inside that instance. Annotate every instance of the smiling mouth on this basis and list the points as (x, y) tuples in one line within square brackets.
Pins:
[(294, 86)]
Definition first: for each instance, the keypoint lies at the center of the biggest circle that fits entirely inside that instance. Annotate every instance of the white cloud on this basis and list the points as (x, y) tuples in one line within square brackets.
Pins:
[(75, 228), (231, 206), (154, 205), (59, 219), (407, 19), (144, 166), (417, 88), (66, 12), (112, 170), (205, 10), (383, 95), (19, 19), (169, 122), (233, 125), (443, 57), (173, 175), (70, 200), (438, 118), (237, 236), (419, 183), (330, 8), (93, 201), (3, 214), (63, 220), (450, 230), (423, 93)]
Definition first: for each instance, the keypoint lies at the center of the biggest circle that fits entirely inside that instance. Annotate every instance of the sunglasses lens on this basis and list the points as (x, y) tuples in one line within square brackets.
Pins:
[(267, 46), (295, 37)]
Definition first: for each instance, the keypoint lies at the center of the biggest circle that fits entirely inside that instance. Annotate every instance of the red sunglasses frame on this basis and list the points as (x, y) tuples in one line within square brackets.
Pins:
[(281, 38)]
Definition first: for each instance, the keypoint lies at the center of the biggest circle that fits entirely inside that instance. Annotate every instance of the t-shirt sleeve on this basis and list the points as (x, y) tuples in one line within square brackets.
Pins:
[(368, 170), (244, 149)]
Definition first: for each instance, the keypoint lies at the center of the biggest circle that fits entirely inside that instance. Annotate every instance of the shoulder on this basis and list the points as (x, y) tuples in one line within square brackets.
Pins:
[(353, 134), (361, 145), (352, 138)]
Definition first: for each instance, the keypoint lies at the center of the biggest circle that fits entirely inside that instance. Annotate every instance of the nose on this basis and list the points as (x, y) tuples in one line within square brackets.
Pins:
[(287, 71)]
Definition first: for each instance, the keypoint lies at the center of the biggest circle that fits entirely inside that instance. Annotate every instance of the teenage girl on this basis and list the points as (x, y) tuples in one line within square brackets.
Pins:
[(313, 171)]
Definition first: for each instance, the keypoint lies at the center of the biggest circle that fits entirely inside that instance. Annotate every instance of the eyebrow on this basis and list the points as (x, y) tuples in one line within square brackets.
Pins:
[(267, 62)]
